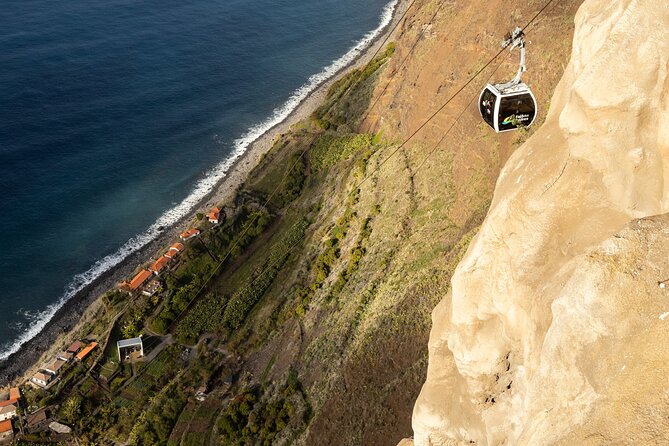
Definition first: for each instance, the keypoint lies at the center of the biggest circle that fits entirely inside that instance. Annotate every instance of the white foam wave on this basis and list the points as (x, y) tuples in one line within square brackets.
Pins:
[(204, 186)]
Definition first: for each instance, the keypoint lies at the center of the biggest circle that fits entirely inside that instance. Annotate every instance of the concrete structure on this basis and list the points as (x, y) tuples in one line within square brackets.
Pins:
[(65, 356), (8, 412), (60, 428), (151, 288), (129, 349)]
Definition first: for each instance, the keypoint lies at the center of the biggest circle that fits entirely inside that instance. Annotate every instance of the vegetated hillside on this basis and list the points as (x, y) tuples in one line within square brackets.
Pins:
[(314, 329), (555, 330)]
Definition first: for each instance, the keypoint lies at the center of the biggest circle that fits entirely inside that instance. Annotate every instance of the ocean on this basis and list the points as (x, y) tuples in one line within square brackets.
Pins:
[(118, 116)]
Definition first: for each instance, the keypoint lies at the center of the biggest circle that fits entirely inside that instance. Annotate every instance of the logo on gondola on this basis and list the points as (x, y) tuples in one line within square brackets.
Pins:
[(521, 117)]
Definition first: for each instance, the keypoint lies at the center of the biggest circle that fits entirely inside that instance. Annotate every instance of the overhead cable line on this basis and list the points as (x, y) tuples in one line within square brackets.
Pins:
[(378, 166)]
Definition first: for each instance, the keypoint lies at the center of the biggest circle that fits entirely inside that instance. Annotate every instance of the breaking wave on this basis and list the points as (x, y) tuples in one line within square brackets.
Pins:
[(39, 319)]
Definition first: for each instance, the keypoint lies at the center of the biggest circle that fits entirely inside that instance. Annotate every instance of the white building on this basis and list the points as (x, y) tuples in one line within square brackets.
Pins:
[(41, 379), (54, 367), (7, 412), (130, 349)]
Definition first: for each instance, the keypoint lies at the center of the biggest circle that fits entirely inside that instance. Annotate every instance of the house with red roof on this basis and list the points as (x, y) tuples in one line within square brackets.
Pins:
[(174, 250), (55, 366), (159, 265), (187, 235), (214, 216), (85, 352), (140, 279), (177, 247), (75, 347)]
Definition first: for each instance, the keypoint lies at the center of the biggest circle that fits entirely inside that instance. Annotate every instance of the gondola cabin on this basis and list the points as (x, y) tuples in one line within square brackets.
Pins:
[(508, 109)]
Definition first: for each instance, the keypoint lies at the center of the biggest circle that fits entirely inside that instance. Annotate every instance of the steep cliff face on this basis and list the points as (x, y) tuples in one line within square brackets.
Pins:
[(554, 331)]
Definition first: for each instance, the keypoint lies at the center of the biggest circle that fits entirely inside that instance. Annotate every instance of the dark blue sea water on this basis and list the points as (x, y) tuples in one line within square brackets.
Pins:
[(116, 116)]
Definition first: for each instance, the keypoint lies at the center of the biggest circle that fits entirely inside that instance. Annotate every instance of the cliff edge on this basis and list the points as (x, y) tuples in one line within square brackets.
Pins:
[(555, 329)]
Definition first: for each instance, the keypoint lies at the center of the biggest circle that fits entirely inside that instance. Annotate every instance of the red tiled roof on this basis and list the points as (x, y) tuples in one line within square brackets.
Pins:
[(14, 393), (139, 279), (7, 402), (82, 354), (76, 345), (215, 214), (159, 264), (5, 426), (177, 247), (190, 233)]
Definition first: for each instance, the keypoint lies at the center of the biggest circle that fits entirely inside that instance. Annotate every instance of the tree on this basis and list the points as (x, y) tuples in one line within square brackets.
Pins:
[(71, 408)]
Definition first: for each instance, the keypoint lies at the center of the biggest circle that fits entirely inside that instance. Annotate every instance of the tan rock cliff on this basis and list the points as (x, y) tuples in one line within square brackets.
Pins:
[(554, 331)]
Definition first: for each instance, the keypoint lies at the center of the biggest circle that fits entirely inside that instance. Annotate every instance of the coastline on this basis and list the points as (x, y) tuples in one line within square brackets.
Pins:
[(71, 314)]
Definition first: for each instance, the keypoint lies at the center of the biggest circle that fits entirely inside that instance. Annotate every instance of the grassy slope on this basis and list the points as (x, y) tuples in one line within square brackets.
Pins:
[(332, 347)]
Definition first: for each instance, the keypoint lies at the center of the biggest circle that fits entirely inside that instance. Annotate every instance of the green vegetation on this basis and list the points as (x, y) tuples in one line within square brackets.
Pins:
[(355, 256), (250, 293), (349, 97), (293, 181), (230, 291), (226, 242), (330, 149), (251, 419), (155, 425), (208, 313)]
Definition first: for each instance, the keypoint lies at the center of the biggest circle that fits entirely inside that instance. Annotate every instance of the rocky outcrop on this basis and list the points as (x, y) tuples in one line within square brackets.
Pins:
[(555, 330)]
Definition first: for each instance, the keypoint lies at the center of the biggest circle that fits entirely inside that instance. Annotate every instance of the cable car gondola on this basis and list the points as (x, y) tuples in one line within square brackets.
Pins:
[(509, 105)]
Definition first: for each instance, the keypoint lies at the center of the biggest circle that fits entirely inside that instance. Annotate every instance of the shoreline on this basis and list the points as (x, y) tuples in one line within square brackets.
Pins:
[(70, 315)]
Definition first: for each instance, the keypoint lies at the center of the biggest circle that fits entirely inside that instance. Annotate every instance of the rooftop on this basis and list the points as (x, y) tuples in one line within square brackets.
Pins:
[(139, 279), (129, 342), (177, 247), (190, 233), (56, 365), (215, 213), (65, 355), (7, 409), (82, 354), (76, 345), (36, 417), (5, 426), (42, 376), (159, 264), (14, 393)]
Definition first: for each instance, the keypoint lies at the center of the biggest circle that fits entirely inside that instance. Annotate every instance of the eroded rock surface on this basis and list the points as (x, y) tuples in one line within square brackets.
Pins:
[(556, 329)]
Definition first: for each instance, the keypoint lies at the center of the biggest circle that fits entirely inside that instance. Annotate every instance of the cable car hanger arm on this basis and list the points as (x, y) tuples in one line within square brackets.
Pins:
[(517, 39)]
